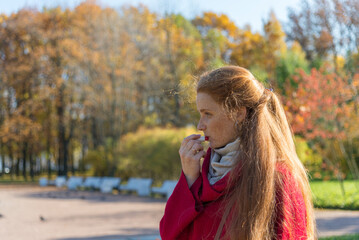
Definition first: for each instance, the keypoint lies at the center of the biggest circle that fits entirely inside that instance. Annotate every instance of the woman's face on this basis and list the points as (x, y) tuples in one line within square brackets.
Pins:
[(214, 121)]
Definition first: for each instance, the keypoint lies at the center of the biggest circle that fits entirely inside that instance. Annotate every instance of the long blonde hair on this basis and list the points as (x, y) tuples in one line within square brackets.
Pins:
[(266, 141)]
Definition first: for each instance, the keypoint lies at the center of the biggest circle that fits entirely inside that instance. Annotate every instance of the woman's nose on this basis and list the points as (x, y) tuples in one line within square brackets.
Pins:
[(201, 126)]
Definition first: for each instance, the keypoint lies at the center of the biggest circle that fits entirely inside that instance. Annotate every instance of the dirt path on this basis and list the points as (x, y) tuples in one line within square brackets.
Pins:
[(48, 213), (337, 222), (35, 213)]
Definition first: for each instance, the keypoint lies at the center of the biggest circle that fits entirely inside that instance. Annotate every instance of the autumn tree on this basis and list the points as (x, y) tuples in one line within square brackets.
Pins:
[(21, 65), (219, 34), (275, 45), (325, 29), (321, 110), (260, 52), (181, 58), (287, 67)]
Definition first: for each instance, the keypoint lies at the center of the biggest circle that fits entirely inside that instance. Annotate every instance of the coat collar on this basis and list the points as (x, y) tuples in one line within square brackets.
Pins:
[(215, 191)]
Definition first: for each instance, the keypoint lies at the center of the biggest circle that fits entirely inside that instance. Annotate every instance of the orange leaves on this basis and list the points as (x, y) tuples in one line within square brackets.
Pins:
[(73, 49), (324, 42), (355, 82), (19, 128), (318, 108)]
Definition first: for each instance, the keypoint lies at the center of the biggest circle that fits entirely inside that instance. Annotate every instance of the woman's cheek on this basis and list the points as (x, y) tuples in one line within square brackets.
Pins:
[(211, 143)]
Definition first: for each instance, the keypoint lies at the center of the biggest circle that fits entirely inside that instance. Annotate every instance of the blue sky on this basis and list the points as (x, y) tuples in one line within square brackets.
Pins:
[(242, 12)]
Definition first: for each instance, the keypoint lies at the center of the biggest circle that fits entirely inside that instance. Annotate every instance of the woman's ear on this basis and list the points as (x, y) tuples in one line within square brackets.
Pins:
[(241, 114)]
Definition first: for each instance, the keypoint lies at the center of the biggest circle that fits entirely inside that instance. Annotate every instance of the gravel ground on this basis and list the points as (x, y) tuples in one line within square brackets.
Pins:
[(35, 213)]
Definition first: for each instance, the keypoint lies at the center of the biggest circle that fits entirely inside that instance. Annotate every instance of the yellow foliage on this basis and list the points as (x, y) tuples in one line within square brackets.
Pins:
[(340, 61), (3, 18), (275, 35), (222, 22), (297, 49)]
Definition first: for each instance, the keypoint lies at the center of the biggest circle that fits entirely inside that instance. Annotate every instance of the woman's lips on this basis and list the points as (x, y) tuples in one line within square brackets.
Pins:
[(203, 138)]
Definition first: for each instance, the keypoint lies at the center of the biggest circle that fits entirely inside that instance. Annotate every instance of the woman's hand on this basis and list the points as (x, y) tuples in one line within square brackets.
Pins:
[(191, 152)]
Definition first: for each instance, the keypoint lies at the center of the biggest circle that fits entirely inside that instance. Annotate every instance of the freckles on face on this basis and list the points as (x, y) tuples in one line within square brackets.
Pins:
[(214, 121)]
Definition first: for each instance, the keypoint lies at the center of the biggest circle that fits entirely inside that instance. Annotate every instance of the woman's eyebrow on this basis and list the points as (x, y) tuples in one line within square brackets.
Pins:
[(204, 110)]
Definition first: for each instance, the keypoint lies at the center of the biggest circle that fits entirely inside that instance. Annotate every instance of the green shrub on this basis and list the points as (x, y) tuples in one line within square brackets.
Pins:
[(152, 153), (287, 67), (311, 160), (95, 159), (100, 161)]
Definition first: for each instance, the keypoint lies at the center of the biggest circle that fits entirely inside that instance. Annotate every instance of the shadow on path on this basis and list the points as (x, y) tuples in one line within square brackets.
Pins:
[(150, 236), (115, 237), (337, 225), (92, 196)]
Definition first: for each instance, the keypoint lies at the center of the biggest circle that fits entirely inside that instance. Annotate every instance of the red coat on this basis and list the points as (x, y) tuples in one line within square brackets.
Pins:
[(193, 213)]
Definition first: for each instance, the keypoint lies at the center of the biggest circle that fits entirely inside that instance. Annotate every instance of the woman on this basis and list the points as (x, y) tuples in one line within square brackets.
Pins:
[(251, 185)]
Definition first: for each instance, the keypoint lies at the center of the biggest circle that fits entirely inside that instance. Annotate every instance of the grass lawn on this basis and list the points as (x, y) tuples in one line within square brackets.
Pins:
[(328, 194), (6, 180), (345, 237)]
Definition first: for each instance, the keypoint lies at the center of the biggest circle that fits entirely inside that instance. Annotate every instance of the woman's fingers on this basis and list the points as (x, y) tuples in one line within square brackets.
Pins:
[(199, 155), (189, 141), (190, 138), (191, 151), (196, 147)]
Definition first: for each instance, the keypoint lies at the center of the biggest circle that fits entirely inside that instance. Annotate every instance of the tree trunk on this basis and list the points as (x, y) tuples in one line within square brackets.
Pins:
[(24, 158), (72, 161), (69, 149), (62, 157), (94, 133), (31, 161), (66, 156), (176, 116), (350, 161), (84, 147), (48, 160), (11, 156), (339, 175), (2, 161), (17, 166)]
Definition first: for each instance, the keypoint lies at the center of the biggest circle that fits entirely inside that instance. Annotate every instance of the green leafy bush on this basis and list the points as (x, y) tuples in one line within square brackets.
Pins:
[(96, 161), (287, 66), (152, 153), (100, 162), (311, 160)]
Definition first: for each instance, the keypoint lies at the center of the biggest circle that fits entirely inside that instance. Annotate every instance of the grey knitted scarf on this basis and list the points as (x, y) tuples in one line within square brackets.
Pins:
[(222, 161)]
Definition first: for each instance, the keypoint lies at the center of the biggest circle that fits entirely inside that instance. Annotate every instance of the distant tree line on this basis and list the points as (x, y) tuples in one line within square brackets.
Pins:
[(76, 81)]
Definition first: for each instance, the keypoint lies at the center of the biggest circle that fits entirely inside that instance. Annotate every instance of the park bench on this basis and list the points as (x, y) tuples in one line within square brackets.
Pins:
[(166, 189), (109, 183), (74, 182), (92, 183), (60, 181), (141, 185), (144, 187), (43, 182)]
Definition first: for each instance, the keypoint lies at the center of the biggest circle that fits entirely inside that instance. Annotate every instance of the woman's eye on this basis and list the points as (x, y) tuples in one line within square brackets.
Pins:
[(208, 114)]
